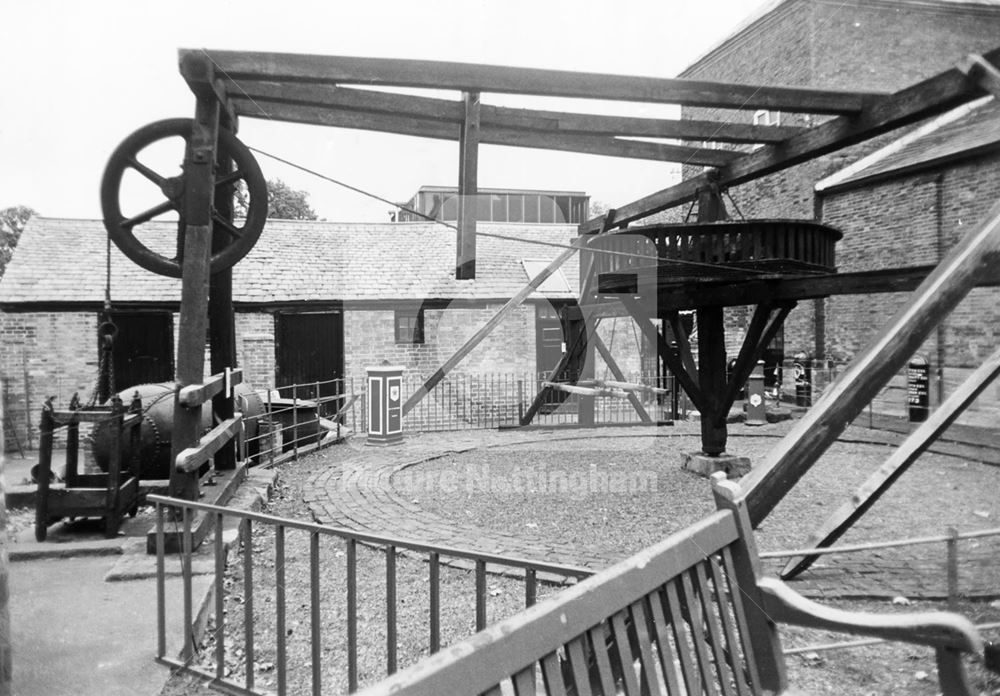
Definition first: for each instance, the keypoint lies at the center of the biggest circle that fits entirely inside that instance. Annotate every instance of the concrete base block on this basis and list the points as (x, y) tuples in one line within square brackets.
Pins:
[(704, 465)]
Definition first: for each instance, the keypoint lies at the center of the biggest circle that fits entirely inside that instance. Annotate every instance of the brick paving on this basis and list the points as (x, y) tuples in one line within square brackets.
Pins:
[(356, 492)]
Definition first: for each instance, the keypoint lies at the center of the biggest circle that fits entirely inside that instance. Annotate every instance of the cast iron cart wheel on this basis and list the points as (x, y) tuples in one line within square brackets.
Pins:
[(123, 228)]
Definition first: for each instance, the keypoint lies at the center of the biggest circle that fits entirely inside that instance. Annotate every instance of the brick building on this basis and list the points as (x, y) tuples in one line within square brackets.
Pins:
[(313, 301), (879, 46)]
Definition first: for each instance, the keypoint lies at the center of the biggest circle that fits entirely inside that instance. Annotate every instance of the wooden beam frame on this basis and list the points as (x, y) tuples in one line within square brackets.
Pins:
[(239, 66), (922, 100), (489, 135), (252, 98)]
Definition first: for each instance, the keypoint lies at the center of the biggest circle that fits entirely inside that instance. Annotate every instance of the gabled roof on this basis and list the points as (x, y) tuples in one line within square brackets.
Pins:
[(962, 133), (63, 261)]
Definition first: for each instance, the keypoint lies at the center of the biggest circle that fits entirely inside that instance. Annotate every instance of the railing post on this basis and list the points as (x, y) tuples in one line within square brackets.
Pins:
[(952, 568)]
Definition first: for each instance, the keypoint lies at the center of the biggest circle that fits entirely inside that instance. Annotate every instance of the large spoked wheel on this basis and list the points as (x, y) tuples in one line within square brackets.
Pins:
[(125, 230)]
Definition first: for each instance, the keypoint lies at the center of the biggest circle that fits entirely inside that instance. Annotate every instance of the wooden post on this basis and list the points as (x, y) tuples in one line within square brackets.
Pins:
[(712, 379), (199, 193), (952, 569), (222, 321), (940, 292), (468, 189), (45, 434)]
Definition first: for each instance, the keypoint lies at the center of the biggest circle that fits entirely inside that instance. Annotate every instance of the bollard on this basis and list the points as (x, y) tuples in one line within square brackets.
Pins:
[(756, 411)]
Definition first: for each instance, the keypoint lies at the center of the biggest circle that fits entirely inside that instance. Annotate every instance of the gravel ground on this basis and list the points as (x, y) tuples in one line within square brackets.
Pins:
[(937, 491)]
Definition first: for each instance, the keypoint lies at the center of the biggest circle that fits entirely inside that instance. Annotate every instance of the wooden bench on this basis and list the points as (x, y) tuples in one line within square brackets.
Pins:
[(689, 615)]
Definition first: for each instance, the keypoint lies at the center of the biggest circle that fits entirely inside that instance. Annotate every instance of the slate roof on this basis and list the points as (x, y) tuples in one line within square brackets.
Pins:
[(63, 261), (967, 131)]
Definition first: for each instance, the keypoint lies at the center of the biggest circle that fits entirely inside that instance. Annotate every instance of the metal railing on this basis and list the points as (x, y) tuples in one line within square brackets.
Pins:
[(950, 538), (357, 566)]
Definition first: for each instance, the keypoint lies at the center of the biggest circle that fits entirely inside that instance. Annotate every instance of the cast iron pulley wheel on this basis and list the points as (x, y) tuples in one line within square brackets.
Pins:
[(123, 228)]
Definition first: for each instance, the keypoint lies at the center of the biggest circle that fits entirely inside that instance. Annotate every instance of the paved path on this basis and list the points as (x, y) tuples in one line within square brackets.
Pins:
[(356, 492)]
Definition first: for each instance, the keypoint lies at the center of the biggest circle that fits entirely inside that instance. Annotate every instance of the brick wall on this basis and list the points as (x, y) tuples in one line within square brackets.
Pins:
[(876, 46), (44, 354), (901, 223)]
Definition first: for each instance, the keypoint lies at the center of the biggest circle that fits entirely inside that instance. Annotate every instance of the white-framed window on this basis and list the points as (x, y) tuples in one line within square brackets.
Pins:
[(764, 117)]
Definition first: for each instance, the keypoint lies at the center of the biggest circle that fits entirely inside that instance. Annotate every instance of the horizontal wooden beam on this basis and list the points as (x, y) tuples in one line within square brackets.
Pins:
[(922, 100), (211, 442), (195, 395), (757, 291), (489, 135), (465, 77), (447, 110)]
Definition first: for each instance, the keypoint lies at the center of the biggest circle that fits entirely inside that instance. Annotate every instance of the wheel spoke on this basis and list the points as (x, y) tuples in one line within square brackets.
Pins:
[(229, 178), (146, 171), (147, 215), (226, 225)]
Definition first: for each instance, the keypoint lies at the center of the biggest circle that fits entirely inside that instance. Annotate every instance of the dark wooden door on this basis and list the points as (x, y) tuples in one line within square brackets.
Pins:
[(309, 348), (142, 350)]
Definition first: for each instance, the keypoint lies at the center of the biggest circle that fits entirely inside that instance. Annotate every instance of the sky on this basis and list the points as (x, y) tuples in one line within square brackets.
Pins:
[(78, 77)]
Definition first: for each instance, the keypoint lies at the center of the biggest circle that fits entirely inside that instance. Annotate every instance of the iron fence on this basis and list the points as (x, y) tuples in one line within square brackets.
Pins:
[(338, 615)]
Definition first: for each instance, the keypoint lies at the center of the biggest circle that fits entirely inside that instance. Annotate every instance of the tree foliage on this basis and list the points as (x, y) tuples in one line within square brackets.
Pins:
[(283, 202), (12, 222)]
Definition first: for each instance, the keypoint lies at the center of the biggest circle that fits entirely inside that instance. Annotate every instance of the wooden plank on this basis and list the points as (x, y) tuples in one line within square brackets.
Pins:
[(623, 651), (665, 652), (742, 625), (579, 665), (211, 442), (647, 663), (790, 458), (197, 394), (552, 674), (239, 66), (673, 320), (599, 645), (715, 634), (915, 444), (524, 681), (689, 670), (922, 100), (489, 134), (509, 645), (468, 190), (698, 634), (727, 611), (266, 94)]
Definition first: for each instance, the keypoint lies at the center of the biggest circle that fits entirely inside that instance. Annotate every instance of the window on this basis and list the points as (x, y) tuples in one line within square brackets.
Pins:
[(767, 118), (410, 325)]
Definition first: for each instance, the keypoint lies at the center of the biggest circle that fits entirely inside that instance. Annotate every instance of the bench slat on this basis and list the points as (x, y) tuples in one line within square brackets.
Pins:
[(524, 681), (552, 673), (723, 600), (668, 662), (598, 643), (688, 669), (698, 634), (576, 650), (736, 598), (714, 630), (625, 660), (640, 624)]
